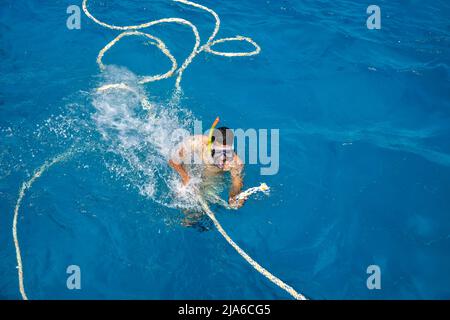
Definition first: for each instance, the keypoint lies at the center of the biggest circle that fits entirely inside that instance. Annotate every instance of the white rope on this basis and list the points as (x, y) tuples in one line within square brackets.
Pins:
[(233, 54), (146, 104), (160, 44), (249, 259), (264, 188), (122, 86), (25, 186)]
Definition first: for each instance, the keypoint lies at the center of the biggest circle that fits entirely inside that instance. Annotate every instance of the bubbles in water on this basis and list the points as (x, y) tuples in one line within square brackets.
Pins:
[(141, 139)]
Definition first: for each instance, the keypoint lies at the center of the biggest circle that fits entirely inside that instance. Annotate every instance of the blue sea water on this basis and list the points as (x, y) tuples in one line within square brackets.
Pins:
[(364, 178)]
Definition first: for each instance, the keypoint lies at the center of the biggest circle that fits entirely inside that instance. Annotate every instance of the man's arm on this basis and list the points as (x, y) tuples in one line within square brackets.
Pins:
[(181, 171), (177, 164), (185, 153), (236, 182)]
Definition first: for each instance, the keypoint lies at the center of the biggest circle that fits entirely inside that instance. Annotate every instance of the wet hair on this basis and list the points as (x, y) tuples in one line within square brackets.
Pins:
[(223, 135)]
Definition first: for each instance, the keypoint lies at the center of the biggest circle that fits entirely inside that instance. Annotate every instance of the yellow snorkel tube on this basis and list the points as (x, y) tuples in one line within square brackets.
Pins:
[(211, 132)]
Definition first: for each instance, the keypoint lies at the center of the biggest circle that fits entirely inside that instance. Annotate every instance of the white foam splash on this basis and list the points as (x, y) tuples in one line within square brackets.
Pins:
[(141, 139)]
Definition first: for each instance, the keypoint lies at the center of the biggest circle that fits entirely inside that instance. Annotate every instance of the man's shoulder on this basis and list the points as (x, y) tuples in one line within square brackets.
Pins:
[(195, 141), (198, 138)]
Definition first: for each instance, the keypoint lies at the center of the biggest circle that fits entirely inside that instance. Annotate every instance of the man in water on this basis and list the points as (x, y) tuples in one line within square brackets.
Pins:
[(216, 157)]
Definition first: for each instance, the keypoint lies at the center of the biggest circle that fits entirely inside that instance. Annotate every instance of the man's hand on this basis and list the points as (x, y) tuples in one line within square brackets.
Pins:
[(185, 179), (236, 204)]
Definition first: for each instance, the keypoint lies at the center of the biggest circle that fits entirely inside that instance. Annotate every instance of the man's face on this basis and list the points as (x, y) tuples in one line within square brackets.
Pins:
[(221, 154)]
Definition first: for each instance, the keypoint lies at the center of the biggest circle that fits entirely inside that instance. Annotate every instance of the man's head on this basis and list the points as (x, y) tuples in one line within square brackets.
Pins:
[(222, 146), (223, 136)]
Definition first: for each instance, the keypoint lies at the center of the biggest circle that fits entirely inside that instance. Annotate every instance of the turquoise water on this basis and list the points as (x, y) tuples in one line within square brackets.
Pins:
[(364, 155)]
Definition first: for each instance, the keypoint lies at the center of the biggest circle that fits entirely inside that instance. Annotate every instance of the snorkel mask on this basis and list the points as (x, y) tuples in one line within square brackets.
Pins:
[(220, 153)]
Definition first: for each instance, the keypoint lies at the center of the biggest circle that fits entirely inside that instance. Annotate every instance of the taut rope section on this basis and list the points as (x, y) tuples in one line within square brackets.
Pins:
[(207, 47), (249, 259)]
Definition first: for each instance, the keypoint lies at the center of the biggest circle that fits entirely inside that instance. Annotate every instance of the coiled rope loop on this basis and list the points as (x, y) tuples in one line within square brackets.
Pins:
[(160, 44)]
